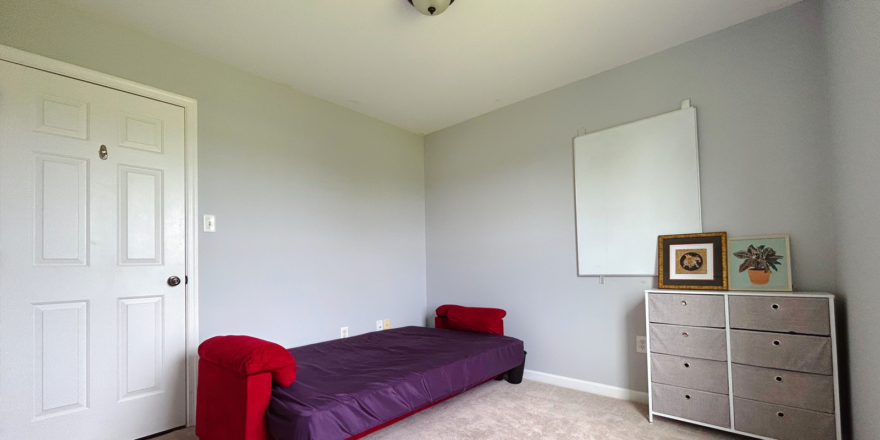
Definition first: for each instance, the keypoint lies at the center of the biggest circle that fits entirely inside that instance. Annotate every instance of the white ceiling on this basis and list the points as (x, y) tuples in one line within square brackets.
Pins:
[(385, 59)]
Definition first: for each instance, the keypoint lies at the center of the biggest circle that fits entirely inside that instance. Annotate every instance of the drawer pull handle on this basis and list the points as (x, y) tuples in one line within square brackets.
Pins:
[(685, 334), (687, 396), (775, 306), (780, 414), (684, 303), (779, 378), (776, 343), (687, 365)]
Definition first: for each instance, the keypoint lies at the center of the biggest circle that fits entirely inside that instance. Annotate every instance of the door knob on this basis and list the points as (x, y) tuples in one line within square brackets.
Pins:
[(173, 281)]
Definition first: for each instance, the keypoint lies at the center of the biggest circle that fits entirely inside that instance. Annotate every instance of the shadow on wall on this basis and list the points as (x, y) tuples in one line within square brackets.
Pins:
[(637, 363), (843, 365)]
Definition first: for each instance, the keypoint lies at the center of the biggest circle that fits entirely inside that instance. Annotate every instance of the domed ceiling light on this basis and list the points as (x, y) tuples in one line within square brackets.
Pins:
[(431, 7)]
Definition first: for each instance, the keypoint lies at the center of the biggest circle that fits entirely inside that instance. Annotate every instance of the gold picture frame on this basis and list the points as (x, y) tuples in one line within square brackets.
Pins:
[(701, 265)]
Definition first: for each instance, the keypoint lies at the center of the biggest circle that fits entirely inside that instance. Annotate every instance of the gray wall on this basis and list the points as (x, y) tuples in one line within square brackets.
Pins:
[(852, 30), (500, 201), (320, 210)]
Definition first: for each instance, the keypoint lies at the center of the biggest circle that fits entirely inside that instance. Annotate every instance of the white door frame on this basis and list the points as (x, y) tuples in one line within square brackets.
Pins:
[(190, 107)]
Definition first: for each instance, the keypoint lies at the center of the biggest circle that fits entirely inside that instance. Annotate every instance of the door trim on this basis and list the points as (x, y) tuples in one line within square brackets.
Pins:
[(190, 107)]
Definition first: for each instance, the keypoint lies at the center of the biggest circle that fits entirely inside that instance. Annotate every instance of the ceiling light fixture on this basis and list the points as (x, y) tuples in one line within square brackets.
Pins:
[(431, 7)]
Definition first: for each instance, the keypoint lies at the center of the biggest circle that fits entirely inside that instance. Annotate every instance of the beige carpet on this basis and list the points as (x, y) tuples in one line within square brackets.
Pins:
[(532, 410)]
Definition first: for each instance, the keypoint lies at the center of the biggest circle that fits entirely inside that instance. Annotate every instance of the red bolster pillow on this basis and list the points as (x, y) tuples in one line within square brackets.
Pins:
[(246, 356), (473, 319)]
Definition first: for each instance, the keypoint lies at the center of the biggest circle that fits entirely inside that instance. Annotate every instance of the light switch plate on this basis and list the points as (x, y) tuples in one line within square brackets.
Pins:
[(387, 324), (210, 223)]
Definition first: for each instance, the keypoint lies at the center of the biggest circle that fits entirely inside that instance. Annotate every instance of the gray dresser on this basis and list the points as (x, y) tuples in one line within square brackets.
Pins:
[(758, 364)]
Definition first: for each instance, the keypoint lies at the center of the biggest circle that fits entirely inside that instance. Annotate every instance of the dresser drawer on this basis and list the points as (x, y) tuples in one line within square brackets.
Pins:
[(693, 342), (809, 354), (782, 422), (700, 406), (693, 310), (780, 314), (799, 390), (697, 374)]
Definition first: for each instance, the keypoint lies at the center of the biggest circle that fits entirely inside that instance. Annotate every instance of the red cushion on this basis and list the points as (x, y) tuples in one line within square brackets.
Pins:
[(473, 319), (231, 406), (246, 356), (444, 309)]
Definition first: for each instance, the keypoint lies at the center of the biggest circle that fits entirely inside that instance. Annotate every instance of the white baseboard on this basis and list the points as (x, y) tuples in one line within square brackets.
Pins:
[(588, 387)]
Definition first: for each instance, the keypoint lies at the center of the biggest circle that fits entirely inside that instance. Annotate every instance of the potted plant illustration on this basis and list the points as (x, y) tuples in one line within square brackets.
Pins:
[(758, 261)]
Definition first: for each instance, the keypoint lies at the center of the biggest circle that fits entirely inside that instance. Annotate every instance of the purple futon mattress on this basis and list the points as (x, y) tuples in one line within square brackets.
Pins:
[(347, 386)]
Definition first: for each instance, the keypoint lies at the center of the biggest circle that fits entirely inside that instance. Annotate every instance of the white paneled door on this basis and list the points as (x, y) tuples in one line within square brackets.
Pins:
[(92, 214)]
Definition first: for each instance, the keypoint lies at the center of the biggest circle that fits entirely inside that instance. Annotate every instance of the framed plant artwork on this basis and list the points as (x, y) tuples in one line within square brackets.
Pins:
[(760, 263), (693, 261)]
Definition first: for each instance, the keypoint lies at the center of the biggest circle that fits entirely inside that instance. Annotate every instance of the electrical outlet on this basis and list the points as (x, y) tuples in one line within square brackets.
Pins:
[(387, 324), (641, 344), (343, 333), (380, 325)]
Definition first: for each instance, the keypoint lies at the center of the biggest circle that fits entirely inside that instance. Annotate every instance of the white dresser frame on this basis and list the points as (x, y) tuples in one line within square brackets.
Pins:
[(726, 295)]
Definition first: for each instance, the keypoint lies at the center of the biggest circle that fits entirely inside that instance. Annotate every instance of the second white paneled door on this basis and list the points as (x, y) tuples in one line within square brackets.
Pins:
[(92, 215)]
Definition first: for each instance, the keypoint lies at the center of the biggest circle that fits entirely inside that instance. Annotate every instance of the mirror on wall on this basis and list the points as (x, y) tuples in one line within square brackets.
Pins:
[(634, 183)]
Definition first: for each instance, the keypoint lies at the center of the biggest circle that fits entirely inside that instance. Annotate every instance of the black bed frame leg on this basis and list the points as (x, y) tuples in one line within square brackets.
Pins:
[(515, 375)]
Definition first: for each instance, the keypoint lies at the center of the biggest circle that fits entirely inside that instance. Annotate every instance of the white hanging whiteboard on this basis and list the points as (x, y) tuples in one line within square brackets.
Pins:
[(634, 183)]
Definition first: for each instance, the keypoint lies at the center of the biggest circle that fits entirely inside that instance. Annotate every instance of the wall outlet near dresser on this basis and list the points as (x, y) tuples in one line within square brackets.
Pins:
[(641, 344), (343, 332), (380, 325)]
